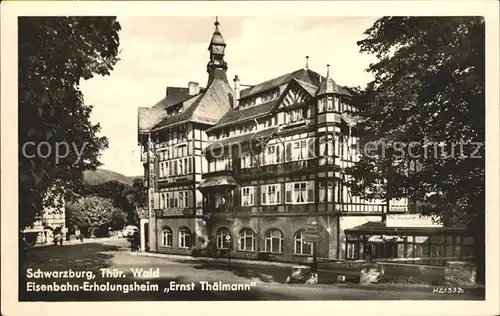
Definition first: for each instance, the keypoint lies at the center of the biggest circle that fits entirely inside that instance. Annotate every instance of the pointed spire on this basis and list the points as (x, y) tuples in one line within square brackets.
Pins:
[(216, 23), (307, 62), (328, 85), (217, 36)]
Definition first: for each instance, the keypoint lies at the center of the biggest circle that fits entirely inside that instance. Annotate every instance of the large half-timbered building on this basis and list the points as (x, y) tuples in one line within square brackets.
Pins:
[(246, 169)]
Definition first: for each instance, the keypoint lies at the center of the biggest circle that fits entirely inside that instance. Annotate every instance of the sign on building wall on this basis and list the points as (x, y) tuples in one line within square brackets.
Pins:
[(411, 220)]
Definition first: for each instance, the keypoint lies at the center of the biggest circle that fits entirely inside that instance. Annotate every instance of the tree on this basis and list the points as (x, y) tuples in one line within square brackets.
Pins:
[(93, 213), (426, 107), (55, 54), (124, 196)]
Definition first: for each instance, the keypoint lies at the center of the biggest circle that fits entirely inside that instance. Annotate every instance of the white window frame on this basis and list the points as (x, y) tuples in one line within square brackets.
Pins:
[(222, 242), (271, 192), (181, 199), (291, 187), (326, 190), (244, 234), (329, 106), (299, 237), (165, 233), (248, 196), (351, 251), (183, 233), (269, 236)]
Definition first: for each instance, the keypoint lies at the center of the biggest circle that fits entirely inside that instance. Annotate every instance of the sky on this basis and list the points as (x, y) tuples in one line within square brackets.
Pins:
[(156, 52)]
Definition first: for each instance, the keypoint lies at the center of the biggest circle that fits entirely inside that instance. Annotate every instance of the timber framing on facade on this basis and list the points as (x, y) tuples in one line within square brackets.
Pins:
[(246, 169)]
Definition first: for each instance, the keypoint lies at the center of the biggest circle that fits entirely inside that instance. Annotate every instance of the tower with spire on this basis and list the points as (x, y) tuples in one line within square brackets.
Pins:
[(216, 66), (327, 89)]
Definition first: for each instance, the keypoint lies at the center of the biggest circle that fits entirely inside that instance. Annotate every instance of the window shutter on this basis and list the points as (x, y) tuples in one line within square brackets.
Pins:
[(175, 168), (288, 152), (251, 197), (311, 148), (288, 198), (278, 159), (190, 164), (310, 191), (310, 195), (278, 193), (264, 191)]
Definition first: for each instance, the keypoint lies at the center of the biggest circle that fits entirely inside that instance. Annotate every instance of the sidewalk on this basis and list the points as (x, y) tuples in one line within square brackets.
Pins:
[(217, 260), (74, 242)]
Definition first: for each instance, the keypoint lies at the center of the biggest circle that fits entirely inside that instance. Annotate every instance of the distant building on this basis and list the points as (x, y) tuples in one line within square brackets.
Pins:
[(53, 220), (248, 169)]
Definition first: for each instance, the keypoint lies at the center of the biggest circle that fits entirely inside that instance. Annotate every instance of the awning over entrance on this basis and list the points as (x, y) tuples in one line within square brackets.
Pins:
[(380, 228), (217, 182)]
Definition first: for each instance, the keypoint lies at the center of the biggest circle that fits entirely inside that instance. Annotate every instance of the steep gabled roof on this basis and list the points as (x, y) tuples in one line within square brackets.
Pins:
[(206, 107), (305, 75), (175, 96), (240, 115), (148, 118)]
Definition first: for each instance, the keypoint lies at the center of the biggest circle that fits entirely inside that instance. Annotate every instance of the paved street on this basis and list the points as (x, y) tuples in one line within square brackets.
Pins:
[(112, 253)]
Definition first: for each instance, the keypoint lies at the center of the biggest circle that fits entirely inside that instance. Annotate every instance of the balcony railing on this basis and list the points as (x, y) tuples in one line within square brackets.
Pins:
[(354, 208), (226, 172), (280, 169)]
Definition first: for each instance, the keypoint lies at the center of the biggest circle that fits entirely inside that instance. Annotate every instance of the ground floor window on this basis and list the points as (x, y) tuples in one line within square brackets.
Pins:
[(247, 240), (184, 238), (301, 246), (166, 237), (223, 238), (274, 241), (352, 250)]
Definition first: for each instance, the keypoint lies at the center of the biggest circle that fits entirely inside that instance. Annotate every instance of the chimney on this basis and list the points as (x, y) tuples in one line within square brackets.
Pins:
[(194, 88), (236, 95)]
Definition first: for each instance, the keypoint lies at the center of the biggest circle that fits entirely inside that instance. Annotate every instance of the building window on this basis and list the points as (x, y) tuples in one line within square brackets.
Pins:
[(352, 250), (184, 238), (271, 194), (326, 190), (162, 171), (274, 241), (247, 196), (299, 192), (247, 240), (329, 106), (166, 237), (163, 204), (181, 166), (301, 246), (167, 200), (223, 238), (320, 106), (181, 199)]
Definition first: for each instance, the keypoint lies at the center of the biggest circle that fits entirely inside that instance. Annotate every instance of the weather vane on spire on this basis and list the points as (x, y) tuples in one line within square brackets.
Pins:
[(216, 21), (307, 62)]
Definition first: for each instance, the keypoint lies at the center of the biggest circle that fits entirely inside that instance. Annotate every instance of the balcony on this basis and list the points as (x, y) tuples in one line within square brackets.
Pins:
[(301, 166)]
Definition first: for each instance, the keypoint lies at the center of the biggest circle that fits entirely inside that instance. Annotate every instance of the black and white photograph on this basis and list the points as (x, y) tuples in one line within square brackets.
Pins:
[(251, 157)]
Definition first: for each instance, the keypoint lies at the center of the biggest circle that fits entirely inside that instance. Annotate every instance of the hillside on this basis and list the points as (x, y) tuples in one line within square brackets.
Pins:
[(103, 175)]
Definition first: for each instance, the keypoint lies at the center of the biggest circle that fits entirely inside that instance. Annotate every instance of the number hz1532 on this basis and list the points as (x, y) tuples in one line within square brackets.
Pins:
[(447, 290)]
